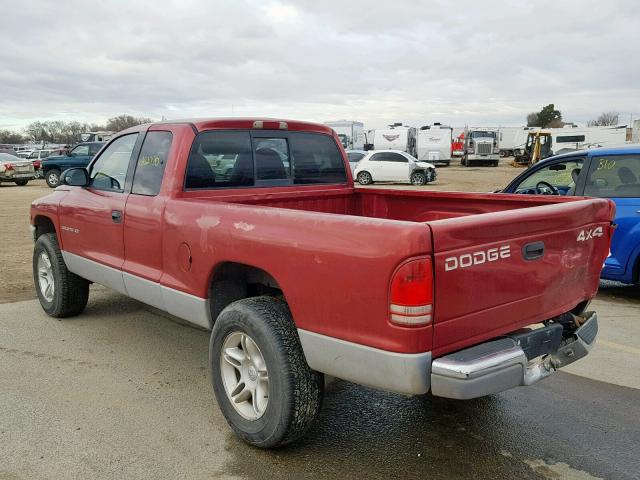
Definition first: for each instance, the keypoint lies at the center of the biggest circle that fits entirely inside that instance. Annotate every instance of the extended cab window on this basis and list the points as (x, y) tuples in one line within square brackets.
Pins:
[(316, 159), (151, 163), (614, 176), (110, 169), (220, 159)]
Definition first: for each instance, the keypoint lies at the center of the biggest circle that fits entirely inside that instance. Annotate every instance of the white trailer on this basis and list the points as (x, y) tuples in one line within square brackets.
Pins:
[(396, 137), (512, 140), (577, 138), (433, 144), (350, 133)]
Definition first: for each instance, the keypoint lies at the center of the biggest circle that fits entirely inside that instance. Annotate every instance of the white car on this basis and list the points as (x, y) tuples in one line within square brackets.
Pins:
[(393, 166)]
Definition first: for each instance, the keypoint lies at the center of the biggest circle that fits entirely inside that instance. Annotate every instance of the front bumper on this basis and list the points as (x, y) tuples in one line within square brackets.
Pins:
[(508, 362), (488, 156)]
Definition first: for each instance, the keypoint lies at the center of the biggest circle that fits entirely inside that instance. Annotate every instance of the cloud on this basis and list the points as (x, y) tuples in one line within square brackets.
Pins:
[(487, 62)]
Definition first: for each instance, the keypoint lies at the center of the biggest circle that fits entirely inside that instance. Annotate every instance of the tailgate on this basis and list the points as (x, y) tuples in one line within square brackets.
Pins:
[(497, 272)]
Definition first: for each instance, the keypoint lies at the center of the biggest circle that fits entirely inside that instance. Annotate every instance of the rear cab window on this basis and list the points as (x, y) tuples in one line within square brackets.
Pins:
[(231, 159)]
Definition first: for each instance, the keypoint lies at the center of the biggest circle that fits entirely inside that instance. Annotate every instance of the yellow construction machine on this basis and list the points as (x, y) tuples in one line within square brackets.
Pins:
[(538, 146)]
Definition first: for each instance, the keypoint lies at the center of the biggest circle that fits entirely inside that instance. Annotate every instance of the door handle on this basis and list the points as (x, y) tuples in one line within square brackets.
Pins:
[(116, 216), (533, 251)]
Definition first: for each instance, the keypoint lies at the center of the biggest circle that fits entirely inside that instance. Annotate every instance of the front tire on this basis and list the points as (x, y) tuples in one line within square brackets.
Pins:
[(418, 178), (364, 178), (261, 380), (53, 178), (21, 183), (61, 292)]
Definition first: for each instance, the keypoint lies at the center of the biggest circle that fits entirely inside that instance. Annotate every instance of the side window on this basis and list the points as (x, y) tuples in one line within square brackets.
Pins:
[(355, 157), (316, 159), (396, 157), (272, 159), (562, 175), (220, 159), (110, 169), (151, 163), (80, 150), (614, 176), (377, 157), (94, 148)]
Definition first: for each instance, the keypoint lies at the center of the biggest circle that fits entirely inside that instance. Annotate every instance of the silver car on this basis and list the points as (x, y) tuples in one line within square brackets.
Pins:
[(16, 170)]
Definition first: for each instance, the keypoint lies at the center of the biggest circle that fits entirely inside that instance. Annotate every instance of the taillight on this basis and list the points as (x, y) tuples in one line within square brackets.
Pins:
[(8, 166), (411, 300)]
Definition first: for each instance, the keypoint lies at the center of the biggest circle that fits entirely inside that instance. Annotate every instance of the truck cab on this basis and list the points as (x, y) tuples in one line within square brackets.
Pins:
[(481, 147)]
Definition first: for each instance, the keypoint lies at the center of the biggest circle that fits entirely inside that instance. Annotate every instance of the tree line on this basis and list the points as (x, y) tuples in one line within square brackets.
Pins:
[(550, 117), (57, 131)]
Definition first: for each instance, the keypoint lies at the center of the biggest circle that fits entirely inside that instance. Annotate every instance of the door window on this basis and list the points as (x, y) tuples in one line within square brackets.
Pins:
[(151, 163), (389, 157), (561, 175), (110, 169), (80, 150), (614, 176)]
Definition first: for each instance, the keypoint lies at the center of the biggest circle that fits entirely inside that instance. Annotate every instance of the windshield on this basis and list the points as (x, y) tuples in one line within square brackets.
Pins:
[(478, 134)]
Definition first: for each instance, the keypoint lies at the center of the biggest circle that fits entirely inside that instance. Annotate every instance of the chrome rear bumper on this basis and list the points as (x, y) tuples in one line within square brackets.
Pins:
[(502, 364)]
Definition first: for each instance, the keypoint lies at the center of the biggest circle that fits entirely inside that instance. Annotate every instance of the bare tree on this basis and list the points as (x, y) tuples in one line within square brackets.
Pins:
[(532, 120), (605, 119), (123, 122)]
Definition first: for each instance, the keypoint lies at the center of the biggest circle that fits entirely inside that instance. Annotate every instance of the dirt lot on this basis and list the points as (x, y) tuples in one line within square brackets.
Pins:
[(15, 256)]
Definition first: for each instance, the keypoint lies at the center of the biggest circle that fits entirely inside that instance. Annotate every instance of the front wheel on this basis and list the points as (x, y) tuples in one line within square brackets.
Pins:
[(418, 178), (53, 178), (364, 178), (21, 183), (61, 292), (263, 384)]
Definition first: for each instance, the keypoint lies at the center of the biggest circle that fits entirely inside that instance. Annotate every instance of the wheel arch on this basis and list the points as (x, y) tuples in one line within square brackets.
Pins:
[(232, 281), (43, 224)]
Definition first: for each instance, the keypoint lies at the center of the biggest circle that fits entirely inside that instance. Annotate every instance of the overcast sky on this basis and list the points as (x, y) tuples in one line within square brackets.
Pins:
[(417, 62)]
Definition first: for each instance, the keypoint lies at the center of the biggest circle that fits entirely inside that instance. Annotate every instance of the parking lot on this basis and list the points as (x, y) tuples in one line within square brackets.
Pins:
[(123, 391)]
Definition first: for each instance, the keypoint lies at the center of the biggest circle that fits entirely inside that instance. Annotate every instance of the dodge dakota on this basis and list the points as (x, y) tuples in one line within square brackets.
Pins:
[(252, 228)]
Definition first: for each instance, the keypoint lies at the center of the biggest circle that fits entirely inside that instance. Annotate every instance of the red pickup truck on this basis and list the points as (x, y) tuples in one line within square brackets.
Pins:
[(253, 229)]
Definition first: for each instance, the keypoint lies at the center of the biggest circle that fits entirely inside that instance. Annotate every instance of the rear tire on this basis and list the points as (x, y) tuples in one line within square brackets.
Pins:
[(61, 293), (364, 178), (21, 183), (271, 353), (53, 178)]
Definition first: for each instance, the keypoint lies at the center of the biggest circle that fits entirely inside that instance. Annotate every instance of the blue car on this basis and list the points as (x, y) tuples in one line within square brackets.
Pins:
[(612, 173), (78, 156)]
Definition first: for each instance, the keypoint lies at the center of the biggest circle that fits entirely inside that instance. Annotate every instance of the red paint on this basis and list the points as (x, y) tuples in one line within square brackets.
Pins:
[(334, 249)]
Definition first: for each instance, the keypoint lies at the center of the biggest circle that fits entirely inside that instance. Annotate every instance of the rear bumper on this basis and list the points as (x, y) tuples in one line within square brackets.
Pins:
[(502, 364)]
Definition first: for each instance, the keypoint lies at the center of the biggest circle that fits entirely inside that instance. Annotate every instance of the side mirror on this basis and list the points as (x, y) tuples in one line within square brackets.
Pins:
[(75, 177)]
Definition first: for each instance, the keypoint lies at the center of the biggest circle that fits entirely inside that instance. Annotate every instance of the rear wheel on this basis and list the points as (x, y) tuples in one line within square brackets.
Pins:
[(53, 178), (21, 183), (263, 384), (364, 178), (418, 178), (495, 163), (61, 293)]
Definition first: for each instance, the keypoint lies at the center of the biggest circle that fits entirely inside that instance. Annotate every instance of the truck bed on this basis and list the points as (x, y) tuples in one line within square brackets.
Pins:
[(472, 303)]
